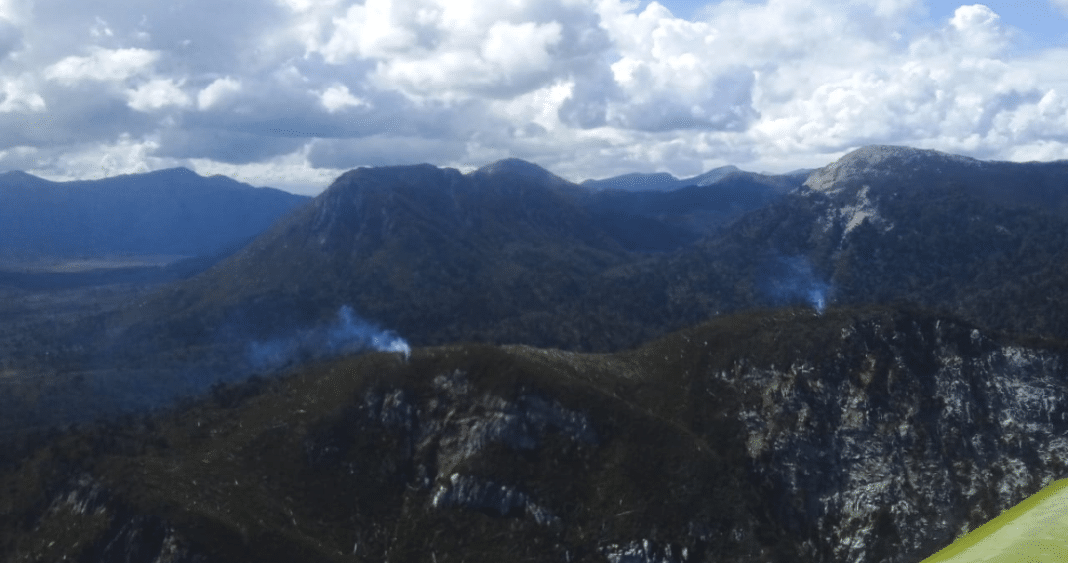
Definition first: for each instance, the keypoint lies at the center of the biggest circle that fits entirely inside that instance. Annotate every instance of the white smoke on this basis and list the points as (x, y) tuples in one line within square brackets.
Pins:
[(348, 334), (351, 330), (793, 280)]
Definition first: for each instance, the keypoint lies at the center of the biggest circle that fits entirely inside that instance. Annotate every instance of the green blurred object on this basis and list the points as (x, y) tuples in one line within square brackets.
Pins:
[(1036, 530)]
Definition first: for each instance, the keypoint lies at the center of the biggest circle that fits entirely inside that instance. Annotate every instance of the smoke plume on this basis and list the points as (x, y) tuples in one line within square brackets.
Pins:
[(793, 281), (348, 334)]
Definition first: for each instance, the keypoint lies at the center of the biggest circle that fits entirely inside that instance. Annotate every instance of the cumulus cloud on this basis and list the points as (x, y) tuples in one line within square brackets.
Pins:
[(588, 88), (19, 96), (978, 29), (218, 92), (102, 65), (156, 94), (337, 97), (462, 48)]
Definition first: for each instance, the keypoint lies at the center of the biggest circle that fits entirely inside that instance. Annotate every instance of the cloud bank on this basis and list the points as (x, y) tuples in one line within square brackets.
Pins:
[(292, 92)]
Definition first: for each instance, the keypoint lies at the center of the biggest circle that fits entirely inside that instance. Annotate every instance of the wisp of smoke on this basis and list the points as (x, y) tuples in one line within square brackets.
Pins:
[(349, 334), (352, 331), (793, 280)]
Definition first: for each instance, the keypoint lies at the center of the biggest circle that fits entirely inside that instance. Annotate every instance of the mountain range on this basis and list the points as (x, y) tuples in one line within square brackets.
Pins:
[(509, 253), (859, 363), (513, 254), (659, 181), (167, 212)]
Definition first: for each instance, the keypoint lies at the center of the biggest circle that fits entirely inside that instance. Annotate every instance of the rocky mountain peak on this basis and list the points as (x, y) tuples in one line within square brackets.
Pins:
[(868, 165)]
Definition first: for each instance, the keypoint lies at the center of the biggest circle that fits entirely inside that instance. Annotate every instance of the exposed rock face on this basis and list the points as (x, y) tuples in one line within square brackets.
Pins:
[(535, 467), (83, 520), (910, 434), (889, 170), (879, 163), (867, 436), (984, 240)]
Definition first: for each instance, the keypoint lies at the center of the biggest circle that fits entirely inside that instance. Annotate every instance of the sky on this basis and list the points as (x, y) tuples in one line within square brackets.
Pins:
[(291, 93)]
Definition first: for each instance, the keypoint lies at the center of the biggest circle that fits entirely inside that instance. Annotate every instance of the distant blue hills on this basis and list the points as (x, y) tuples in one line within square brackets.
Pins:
[(166, 212)]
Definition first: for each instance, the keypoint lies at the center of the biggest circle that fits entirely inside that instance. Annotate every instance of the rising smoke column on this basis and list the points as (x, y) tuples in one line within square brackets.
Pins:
[(348, 334), (792, 280), (352, 333)]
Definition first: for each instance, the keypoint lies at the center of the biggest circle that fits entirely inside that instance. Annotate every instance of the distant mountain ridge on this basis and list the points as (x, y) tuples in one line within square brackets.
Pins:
[(510, 253), (165, 212), (652, 220), (659, 181)]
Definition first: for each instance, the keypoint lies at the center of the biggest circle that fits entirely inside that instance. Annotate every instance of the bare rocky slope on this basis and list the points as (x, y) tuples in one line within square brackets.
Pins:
[(984, 240)]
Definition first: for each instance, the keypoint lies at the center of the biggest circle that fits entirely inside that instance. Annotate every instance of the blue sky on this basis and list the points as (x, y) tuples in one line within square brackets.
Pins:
[(291, 93), (1042, 22)]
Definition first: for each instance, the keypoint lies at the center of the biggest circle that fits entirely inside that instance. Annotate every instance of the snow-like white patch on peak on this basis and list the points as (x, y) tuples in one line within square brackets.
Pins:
[(880, 160), (860, 209), (852, 214)]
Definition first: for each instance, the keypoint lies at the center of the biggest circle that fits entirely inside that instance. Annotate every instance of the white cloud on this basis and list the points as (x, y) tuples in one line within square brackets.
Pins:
[(218, 92), (586, 87), (156, 94), (19, 158), (337, 97), (290, 171), (19, 96), (1061, 5), (978, 29), (124, 155), (514, 46), (453, 49), (376, 28), (107, 65), (16, 10)]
